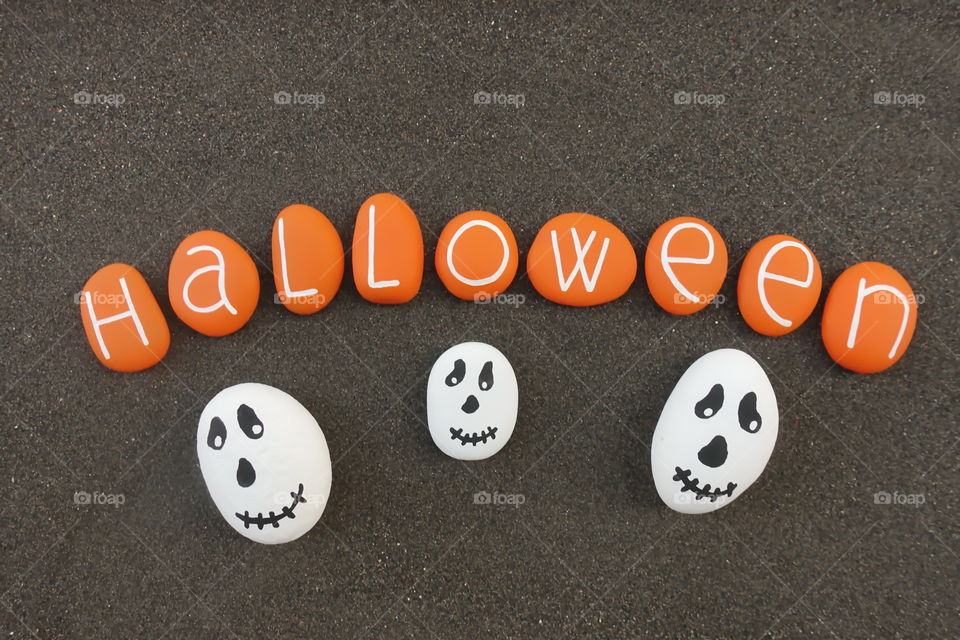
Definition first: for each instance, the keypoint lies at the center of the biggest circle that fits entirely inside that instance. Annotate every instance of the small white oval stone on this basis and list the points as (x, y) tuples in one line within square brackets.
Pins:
[(715, 434), (265, 462), (471, 401)]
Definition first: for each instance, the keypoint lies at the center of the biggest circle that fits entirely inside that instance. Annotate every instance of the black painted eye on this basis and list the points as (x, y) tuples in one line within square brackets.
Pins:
[(749, 418), (456, 376), (486, 376), (217, 435), (247, 419), (710, 405)]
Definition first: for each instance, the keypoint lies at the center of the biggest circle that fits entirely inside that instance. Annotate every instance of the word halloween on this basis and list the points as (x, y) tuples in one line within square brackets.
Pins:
[(576, 259)]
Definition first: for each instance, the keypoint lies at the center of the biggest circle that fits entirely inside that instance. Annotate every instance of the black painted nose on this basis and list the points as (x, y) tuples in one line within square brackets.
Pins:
[(715, 453), (245, 473), (471, 404)]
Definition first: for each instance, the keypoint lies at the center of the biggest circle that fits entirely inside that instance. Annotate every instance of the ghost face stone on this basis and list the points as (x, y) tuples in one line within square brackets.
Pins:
[(265, 462), (471, 401), (715, 434)]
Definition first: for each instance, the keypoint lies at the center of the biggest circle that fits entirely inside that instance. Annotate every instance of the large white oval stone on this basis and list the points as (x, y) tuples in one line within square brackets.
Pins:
[(715, 434), (265, 462)]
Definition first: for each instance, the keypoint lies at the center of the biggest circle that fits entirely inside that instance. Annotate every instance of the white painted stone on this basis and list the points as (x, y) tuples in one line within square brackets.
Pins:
[(715, 434), (265, 462), (471, 401)]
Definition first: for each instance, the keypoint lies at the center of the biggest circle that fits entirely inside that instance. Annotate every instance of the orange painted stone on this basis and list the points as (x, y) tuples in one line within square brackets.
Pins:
[(387, 250), (307, 259), (581, 260), (123, 322), (685, 264), (477, 256), (779, 285), (868, 318), (213, 283)]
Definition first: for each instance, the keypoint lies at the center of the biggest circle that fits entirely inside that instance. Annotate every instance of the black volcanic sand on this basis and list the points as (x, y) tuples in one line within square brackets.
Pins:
[(798, 145)]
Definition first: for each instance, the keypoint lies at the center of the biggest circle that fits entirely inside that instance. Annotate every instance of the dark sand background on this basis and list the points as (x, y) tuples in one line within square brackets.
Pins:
[(799, 146)]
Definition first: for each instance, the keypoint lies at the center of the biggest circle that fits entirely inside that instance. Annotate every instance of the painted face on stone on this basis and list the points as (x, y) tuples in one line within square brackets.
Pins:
[(265, 462), (715, 434), (471, 401)]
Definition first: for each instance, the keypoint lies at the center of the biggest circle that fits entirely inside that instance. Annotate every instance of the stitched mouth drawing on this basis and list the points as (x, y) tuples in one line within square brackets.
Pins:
[(683, 475), (274, 518), (473, 438)]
